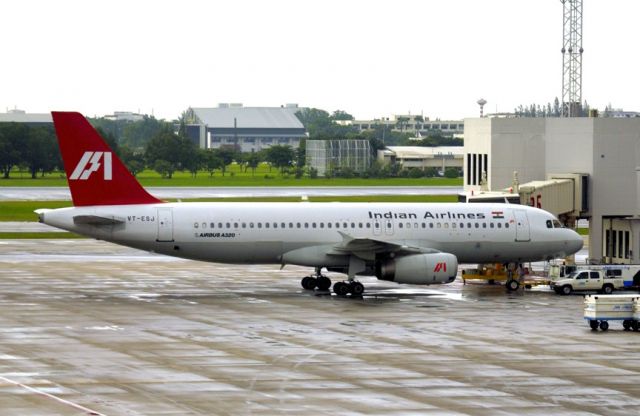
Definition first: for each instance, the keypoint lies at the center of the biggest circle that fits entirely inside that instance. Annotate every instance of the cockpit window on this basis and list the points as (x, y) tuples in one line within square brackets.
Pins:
[(549, 224), (556, 224)]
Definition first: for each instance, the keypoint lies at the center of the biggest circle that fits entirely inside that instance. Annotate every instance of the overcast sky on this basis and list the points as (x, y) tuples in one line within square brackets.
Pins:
[(369, 58)]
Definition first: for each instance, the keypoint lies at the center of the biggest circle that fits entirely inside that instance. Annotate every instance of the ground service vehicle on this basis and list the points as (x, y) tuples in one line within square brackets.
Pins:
[(584, 280), (600, 309)]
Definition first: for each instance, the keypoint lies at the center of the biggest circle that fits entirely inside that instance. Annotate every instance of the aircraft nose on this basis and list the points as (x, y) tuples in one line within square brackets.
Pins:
[(575, 242)]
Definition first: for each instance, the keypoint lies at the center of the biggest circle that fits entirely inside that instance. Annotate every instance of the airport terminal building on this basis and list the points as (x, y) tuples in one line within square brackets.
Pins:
[(249, 128), (604, 152)]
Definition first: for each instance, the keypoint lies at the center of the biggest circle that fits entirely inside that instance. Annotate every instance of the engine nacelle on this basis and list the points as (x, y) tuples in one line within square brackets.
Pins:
[(419, 269)]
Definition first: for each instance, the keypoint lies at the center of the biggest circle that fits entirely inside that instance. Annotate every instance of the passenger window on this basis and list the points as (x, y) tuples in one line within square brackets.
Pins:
[(219, 225), (506, 225), (430, 225), (291, 225), (204, 225), (353, 225), (306, 225), (250, 225), (212, 225), (275, 225), (415, 225), (477, 225), (259, 225), (235, 225), (266, 225), (376, 225), (297, 225), (359, 225), (284, 225), (228, 225), (337, 225), (453, 225), (484, 225), (313, 225), (439, 225), (424, 225), (491, 225), (399, 225), (321, 225), (461, 225), (328, 225), (244, 225), (368, 225), (468, 225), (499, 225), (195, 225), (446, 225), (344, 225)]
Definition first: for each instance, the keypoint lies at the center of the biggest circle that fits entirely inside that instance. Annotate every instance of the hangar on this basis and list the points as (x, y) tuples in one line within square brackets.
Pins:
[(605, 151), (249, 128)]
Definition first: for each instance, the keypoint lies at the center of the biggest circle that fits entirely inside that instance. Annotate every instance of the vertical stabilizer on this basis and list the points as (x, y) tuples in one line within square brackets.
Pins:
[(95, 174)]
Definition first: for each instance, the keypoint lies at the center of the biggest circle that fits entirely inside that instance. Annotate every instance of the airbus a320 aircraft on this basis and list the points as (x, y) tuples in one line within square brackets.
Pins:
[(405, 243)]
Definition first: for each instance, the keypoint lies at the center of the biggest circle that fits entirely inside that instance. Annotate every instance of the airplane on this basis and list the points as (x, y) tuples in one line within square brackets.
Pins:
[(414, 243)]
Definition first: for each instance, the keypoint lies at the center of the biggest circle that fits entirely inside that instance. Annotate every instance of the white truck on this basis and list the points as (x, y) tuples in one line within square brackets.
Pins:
[(583, 280), (629, 273)]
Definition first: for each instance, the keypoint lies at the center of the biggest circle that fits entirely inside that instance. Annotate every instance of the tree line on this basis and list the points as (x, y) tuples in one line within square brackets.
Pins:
[(154, 144)]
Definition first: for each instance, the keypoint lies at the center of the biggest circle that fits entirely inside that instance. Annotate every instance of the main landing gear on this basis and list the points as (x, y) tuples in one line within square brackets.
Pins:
[(354, 288), (323, 283), (317, 280)]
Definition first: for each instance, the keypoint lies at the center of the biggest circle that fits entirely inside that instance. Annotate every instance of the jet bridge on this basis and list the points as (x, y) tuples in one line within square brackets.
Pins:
[(565, 195)]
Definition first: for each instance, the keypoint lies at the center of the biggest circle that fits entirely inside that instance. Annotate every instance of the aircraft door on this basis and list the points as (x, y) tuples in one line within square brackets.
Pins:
[(523, 233), (387, 223), (165, 224)]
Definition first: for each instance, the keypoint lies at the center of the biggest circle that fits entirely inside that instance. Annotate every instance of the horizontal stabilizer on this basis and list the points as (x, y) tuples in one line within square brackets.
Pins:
[(96, 220)]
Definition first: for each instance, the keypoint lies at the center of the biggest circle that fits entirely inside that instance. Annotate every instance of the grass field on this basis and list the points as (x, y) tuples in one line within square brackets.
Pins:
[(235, 177), (40, 236)]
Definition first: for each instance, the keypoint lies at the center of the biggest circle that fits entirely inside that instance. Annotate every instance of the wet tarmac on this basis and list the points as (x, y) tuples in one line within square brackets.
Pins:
[(87, 327), (62, 193)]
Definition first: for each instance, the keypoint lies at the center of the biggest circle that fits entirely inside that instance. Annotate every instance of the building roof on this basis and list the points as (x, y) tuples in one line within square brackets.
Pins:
[(249, 117), (404, 152), (19, 117)]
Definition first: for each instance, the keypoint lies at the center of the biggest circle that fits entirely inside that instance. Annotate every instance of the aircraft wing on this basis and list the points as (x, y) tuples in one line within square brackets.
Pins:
[(366, 248)]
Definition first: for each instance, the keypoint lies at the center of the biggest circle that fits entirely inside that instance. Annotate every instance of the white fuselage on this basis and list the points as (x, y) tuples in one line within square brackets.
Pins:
[(264, 232)]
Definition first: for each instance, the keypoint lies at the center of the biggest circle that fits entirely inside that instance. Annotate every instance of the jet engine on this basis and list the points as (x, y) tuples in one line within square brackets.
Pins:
[(419, 269)]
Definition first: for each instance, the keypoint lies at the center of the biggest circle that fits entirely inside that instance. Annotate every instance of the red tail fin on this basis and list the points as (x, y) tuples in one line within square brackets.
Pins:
[(95, 174)]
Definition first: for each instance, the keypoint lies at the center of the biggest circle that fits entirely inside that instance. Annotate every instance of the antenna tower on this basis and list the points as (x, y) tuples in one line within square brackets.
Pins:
[(572, 58)]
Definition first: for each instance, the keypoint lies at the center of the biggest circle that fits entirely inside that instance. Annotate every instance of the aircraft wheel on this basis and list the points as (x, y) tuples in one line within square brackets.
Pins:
[(357, 289), (513, 285), (324, 283), (594, 324), (604, 325), (341, 289), (309, 283), (626, 324), (635, 325)]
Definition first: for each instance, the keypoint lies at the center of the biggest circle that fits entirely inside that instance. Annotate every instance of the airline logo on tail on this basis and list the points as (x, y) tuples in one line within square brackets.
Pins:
[(89, 163)]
